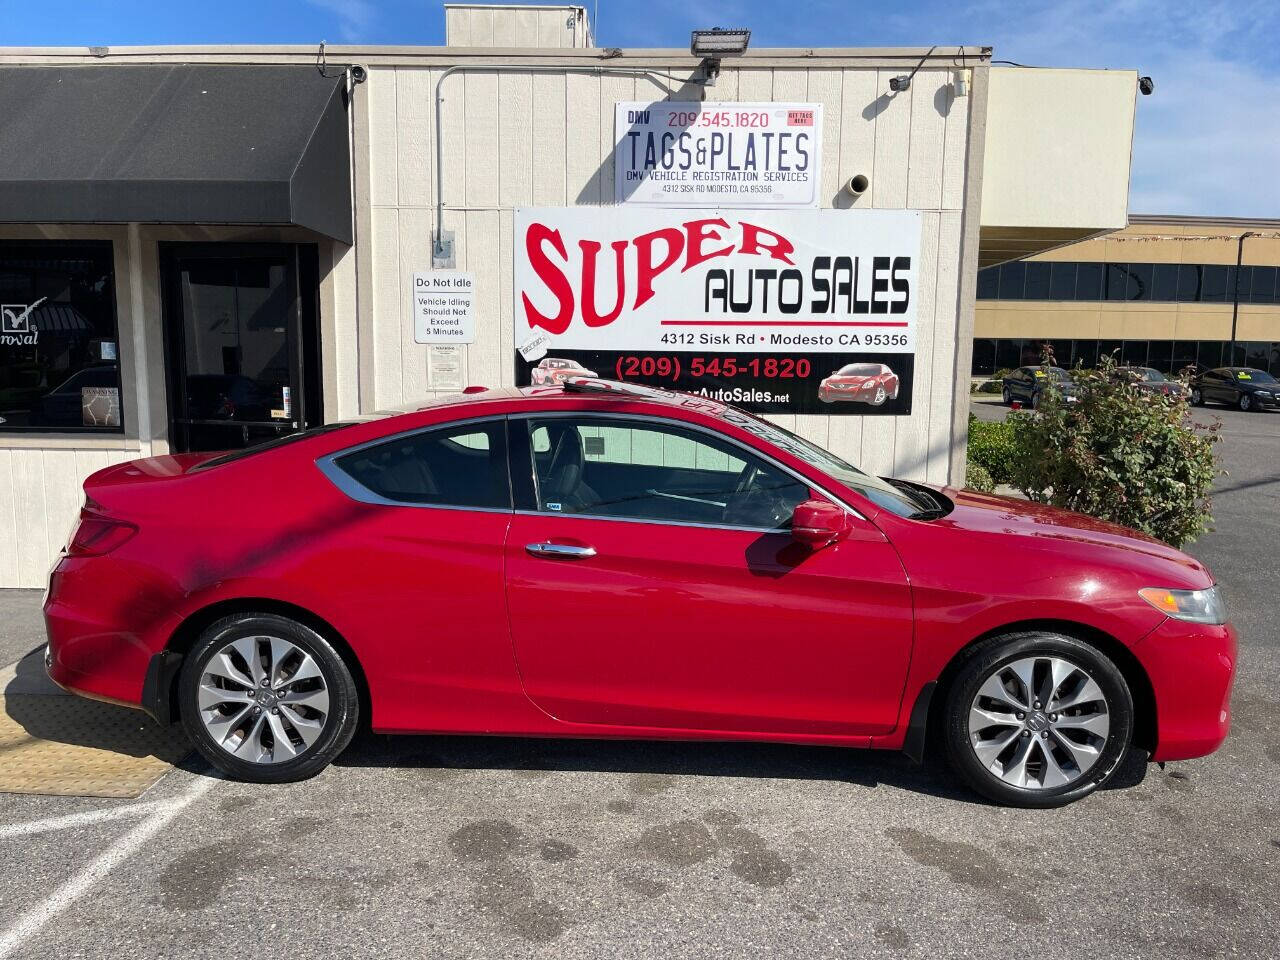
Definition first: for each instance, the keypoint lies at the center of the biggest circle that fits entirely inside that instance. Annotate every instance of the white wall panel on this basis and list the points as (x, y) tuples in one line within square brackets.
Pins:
[(546, 140), (383, 147)]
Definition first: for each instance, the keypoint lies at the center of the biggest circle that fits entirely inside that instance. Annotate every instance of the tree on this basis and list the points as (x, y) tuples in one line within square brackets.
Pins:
[(1119, 453)]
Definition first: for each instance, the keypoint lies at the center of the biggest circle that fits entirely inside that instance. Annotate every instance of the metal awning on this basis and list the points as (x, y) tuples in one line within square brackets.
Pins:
[(187, 143)]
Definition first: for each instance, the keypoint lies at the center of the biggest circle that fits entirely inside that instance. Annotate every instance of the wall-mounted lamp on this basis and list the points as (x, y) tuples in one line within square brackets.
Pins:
[(1146, 85), (715, 43)]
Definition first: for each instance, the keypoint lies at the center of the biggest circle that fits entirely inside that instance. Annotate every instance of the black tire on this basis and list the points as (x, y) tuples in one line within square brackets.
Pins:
[(340, 721), (1008, 397), (1035, 401), (981, 663), (1246, 403), (1197, 398)]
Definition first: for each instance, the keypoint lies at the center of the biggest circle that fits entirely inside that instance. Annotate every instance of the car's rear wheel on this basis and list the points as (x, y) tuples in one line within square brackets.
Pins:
[(267, 699), (1008, 397), (1037, 719), (1197, 398)]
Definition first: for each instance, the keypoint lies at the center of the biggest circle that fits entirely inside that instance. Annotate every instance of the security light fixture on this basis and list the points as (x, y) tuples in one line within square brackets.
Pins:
[(719, 42), (1146, 85)]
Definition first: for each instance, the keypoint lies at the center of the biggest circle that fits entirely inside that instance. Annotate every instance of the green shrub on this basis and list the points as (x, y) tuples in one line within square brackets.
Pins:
[(991, 447), (1119, 454), (977, 478), (991, 386)]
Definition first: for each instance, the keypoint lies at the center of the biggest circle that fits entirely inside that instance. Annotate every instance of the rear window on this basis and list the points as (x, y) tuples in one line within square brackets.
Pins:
[(464, 465), (266, 445)]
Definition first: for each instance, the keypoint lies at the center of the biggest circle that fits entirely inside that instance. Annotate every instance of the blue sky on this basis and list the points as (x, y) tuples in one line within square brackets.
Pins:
[(1207, 142)]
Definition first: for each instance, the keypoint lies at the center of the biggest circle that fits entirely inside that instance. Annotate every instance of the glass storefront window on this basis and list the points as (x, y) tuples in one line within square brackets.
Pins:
[(1134, 353), (59, 353)]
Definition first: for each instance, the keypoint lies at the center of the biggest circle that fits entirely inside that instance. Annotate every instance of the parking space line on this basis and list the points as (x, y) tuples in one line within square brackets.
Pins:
[(80, 819), (34, 919)]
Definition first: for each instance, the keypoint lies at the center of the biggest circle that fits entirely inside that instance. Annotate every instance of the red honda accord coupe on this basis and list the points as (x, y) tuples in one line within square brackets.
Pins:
[(426, 571)]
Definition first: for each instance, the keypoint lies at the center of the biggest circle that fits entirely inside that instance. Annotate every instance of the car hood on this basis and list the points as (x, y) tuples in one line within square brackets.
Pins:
[(1054, 527), (849, 381)]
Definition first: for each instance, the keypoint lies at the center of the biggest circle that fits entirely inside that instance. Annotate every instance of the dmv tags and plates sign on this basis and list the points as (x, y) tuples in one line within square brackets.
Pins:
[(681, 154)]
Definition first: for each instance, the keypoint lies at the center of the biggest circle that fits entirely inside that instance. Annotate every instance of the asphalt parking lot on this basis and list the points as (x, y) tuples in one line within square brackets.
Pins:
[(434, 847)]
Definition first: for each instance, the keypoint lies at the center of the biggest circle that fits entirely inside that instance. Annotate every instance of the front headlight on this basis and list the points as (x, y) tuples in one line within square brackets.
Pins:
[(1197, 606)]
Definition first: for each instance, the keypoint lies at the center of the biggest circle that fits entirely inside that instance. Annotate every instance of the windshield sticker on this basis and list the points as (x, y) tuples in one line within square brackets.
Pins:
[(1244, 375)]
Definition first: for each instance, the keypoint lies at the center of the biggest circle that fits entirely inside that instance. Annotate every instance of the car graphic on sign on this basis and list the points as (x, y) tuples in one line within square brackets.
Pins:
[(872, 383), (555, 370)]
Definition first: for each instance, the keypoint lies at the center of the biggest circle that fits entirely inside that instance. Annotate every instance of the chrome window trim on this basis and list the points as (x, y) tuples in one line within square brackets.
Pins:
[(357, 491), (697, 427)]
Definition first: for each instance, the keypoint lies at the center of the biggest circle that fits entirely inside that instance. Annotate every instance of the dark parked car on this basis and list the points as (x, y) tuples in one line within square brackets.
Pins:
[(1027, 383), (1150, 380), (1245, 387)]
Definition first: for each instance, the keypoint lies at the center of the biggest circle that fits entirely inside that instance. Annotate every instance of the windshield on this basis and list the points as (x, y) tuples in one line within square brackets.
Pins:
[(1257, 376), (1149, 374), (1058, 373), (859, 370), (880, 492)]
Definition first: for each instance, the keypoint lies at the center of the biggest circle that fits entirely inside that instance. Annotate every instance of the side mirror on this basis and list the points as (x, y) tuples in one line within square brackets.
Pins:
[(817, 523)]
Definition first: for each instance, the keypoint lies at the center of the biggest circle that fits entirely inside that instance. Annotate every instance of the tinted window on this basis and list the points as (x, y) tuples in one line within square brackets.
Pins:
[(1164, 282), (1089, 281), (989, 283), (1262, 285), (1216, 283), (1160, 356), (1209, 353), (1036, 284), (459, 466), (1140, 276), (59, 366), (1062, 282), (1118, 281), (1134, 353), (655, 471), (1012, 276), (1189, 280)]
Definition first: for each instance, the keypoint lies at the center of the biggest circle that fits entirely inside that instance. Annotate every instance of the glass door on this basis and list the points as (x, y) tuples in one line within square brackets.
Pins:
[(240, 331)]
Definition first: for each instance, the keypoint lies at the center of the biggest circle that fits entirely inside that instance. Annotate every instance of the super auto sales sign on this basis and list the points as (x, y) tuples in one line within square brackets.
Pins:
[(779, 311)]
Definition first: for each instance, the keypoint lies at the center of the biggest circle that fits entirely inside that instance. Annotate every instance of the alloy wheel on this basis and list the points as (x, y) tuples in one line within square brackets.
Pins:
[(263, 699), (1039, 722), (1246, 402)]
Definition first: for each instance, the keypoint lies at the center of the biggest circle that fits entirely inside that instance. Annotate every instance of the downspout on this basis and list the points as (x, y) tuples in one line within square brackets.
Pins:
[(1235, 300)]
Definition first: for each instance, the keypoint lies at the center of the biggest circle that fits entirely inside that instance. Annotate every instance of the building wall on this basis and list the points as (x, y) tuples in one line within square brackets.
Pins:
[(41, 474), (1156, 240), (531, 139), (487, 25)]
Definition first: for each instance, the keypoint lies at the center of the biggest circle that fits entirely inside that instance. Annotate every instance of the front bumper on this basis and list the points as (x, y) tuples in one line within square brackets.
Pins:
[(1191, 667)]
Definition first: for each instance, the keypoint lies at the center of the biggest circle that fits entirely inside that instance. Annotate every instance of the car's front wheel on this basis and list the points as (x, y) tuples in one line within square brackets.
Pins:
[(1037, 719), (1008, 397), (1246, 402), (1197, 398), (267, 699)]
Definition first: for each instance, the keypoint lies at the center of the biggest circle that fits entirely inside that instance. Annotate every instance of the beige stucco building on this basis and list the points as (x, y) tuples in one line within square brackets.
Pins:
[(1161, 292), (214, 245)]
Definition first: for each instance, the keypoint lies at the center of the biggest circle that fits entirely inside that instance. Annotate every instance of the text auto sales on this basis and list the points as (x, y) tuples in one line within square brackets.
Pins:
[(832, 286)]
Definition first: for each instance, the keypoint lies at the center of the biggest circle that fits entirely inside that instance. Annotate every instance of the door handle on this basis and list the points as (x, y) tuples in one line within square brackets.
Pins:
[(560, 551)]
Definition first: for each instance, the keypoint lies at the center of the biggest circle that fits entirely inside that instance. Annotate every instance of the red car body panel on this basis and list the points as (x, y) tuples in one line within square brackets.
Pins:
[(669, 632)]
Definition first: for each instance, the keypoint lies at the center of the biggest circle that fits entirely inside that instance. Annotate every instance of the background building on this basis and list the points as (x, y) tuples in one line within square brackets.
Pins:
[(204, 247), (1162, 293)]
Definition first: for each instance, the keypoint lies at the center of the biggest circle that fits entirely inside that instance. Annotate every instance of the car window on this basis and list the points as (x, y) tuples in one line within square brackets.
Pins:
[(651, 470), (464, 465)]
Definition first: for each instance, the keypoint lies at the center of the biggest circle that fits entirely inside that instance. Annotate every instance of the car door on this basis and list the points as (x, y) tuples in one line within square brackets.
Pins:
[(1214, 386), (652, 583), (423, 559)]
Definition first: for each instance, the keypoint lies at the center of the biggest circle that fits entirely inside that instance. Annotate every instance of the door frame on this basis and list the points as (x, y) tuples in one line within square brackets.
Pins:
[(302, 266)]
